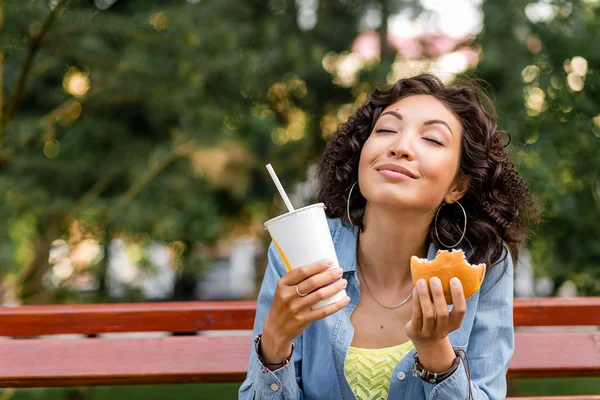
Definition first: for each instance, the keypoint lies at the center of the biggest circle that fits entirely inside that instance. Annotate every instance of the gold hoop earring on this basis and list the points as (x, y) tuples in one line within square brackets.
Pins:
[(464, 226)]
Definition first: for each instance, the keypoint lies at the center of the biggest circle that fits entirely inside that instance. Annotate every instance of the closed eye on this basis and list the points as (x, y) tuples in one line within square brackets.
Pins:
[(435, 141), (384, 130)]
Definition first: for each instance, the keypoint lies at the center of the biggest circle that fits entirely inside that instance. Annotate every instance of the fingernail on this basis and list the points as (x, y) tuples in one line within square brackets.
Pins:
[(344, 283), (455, 282), (435, 282), (328, 262), (422, 284), (338, 271), (347, 300)]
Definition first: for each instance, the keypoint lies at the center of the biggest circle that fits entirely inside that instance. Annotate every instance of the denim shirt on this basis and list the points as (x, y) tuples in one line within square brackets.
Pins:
[(317, 367)]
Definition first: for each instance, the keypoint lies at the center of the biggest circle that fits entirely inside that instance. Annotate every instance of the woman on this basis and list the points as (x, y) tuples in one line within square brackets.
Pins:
[(420, 167)]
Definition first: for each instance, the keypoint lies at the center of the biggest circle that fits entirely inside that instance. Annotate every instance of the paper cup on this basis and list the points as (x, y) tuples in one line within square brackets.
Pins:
[(302, 237)]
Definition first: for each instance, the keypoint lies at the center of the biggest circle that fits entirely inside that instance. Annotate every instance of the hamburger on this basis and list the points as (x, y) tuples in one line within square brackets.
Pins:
[(446, 265)]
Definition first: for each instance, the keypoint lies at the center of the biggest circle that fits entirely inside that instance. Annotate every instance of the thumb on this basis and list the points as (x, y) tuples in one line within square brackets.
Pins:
[(408, 326)]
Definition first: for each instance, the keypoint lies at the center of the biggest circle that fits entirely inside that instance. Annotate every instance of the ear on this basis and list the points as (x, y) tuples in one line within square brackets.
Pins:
[(457, 190)]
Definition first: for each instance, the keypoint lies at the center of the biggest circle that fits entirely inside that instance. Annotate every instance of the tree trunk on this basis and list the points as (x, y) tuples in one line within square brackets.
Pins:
[(102, 293), (30, 282)]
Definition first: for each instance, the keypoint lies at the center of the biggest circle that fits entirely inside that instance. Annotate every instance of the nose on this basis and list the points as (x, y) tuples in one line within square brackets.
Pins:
[(401, 148)]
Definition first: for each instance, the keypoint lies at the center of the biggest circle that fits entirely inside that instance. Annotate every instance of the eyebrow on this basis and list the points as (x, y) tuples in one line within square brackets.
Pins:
[(438, 121), (428, 122)]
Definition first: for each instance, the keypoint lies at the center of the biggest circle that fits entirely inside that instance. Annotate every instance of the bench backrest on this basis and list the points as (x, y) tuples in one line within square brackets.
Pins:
[(195, 354)]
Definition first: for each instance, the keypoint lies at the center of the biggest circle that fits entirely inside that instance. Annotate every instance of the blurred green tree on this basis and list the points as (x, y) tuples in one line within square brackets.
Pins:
[(541, 62), (155, 121)]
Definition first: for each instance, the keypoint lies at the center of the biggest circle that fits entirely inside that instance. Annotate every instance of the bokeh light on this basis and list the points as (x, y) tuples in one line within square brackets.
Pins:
[(534, 100), (530, 73), (575, 81), (51, 148), (159, 21), (76, 82), (579, 65)]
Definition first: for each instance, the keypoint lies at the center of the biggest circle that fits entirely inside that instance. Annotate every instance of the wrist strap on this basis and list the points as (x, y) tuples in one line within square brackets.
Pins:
[(257, 342), (433, 377)]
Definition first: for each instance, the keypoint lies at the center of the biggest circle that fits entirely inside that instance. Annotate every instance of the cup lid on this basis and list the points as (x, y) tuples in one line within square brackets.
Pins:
[(297, 211)]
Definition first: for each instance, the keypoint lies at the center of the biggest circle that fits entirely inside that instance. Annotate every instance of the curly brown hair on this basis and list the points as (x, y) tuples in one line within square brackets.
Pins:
[(498, 202)]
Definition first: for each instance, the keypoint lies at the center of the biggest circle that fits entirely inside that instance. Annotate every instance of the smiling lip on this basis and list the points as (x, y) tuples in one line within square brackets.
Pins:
[(391, 170)]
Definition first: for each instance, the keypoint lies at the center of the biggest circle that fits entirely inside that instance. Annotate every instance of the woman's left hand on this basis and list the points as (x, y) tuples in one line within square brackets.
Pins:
[(431, 321)]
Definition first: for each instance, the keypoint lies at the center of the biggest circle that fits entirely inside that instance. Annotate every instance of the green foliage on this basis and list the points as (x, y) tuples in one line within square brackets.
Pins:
[(153, 121), (156, 120), (556, 142)]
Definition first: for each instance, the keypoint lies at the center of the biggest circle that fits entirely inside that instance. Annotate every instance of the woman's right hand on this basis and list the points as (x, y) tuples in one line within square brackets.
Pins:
[(290, 314)]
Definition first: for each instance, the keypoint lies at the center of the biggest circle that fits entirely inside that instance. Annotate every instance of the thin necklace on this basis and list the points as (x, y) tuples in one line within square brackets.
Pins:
[(373, 296)]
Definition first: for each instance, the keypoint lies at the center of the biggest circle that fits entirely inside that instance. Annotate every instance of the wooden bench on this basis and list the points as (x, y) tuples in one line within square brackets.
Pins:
[(186, 351)]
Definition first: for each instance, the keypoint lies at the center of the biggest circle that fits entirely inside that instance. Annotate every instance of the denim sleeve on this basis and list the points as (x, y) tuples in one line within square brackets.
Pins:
[(283, 383), (491, 344)]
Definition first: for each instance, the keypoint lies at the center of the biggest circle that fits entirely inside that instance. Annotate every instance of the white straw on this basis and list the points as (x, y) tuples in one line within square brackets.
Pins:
[(284, 196)]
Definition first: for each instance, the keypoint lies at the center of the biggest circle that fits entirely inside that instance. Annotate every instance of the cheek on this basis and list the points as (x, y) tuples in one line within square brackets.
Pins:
[(363, 166), (441, 169), (368, 154), (362, 162)]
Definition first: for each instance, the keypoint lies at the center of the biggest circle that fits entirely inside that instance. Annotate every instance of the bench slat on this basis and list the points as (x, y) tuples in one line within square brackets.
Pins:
[(96, 362), (551, 311), (556, 355), (198, 316), (187, 359), (130, 317)]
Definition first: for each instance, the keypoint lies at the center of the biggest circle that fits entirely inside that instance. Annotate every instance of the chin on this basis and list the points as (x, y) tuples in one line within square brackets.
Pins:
[(391, 198), (395, 198)]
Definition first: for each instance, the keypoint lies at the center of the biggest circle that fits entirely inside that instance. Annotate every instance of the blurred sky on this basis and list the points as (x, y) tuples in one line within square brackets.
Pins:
[(456, 18)]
